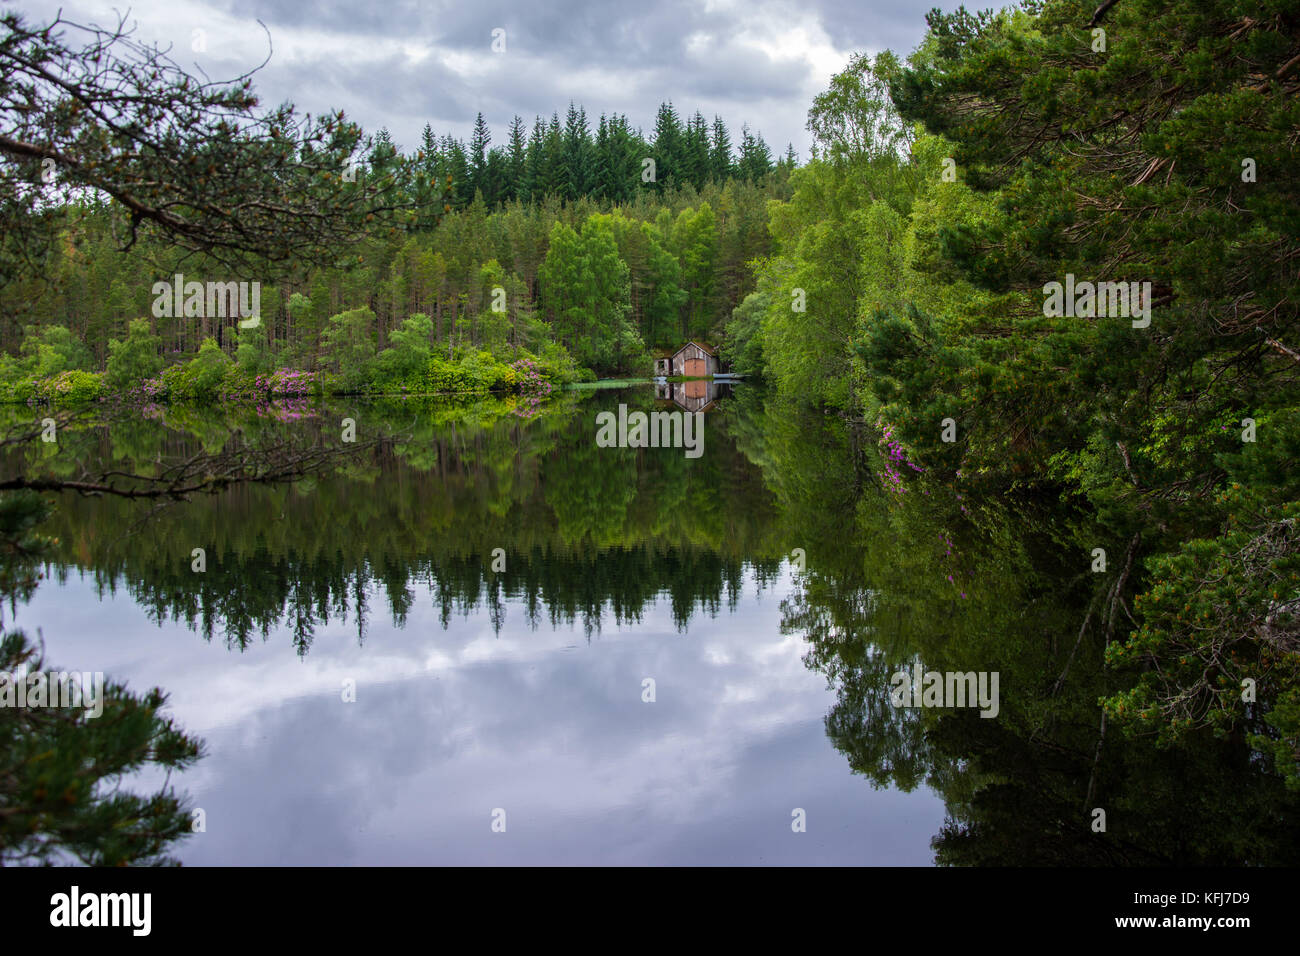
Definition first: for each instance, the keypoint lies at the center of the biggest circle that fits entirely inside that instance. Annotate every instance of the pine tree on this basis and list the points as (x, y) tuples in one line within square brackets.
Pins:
[(755, 156), (478, 148), (720, 161), (695, 152), (458, 170), (602, 162), (577, 150), (626, 150), (431, 155), (535, 163), (383, 153), (667, 146), (495, 176), (554, 177), (515, 166), (61, 790)]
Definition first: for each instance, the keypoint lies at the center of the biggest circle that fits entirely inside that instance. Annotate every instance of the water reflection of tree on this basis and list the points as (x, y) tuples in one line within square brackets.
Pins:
[(589, 534), (593, 537), (1016, 787), (63, 769)]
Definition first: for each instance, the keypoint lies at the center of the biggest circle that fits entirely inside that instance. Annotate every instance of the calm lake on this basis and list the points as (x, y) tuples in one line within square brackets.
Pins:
[(487, 639)]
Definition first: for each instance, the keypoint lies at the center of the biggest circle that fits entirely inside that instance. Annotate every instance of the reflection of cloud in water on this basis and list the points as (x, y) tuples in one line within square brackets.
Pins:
[(449, 724)]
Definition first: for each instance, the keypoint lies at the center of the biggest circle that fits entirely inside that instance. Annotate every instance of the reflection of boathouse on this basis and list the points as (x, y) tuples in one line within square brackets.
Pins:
[(698, 395), (695, 361), (692, 359)]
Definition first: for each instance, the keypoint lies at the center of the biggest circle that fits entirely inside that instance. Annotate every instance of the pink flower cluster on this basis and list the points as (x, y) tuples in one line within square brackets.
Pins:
[(529, 406), (288, 410), (289, 382), (285, 382), (530, 379), (896, 454)]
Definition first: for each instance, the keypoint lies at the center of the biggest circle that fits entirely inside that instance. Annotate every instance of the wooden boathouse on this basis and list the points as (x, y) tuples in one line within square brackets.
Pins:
[(692, 360)]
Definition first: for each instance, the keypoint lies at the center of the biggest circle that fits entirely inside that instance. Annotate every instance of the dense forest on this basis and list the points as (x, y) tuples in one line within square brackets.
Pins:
[(566, 250), (897, 285)]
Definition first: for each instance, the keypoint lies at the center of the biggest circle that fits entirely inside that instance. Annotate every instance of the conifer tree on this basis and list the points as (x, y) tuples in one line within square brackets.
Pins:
[(515, 171), (695, 152), (535, 163), (577, 154), (668, 147), (478, 148), (720, 159), (755, 156)]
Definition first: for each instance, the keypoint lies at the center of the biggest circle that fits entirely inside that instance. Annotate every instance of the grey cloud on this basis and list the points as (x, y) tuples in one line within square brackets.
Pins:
[(620, 56)]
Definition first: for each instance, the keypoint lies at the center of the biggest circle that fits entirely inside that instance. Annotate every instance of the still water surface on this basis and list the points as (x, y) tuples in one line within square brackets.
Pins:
[(769, 589)]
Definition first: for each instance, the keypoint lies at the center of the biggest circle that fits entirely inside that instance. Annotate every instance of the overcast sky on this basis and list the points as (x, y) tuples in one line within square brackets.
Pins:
[(405, 63)]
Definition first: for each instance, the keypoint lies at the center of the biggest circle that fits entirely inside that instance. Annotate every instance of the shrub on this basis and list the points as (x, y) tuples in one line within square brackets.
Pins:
[(348, 343), (292, 383), (409, 352), (253, 354), (201, 378), (53, 349), (559, 366), (443, 376), (483, 372), (134, 359), (530, 378), (73, 387), (20, 390)]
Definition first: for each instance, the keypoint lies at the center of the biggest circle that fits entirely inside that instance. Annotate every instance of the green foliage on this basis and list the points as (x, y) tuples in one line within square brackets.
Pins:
[(484, 373), (202, 378), (855, 120), (134, 359), (744, 341), (410, 350), (53, 349), (22, 546), (73, 387), (473, 371), (923, 251), (253, 356), (348, 347), (61, 790), (557, 364), (684, 249), (694, 241), (1219, 644), (62, 803), (586, 287), (407, 366)]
